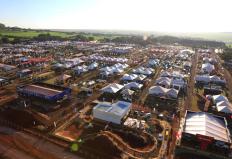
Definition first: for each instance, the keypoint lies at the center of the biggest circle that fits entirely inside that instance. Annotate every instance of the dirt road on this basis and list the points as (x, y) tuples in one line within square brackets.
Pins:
[(17, 145)]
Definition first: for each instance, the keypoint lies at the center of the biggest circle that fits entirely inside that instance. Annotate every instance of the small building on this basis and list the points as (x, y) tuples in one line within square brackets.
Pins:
[(114, 113)]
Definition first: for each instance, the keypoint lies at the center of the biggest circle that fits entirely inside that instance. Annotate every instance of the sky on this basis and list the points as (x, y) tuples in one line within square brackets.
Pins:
[(143, 15)]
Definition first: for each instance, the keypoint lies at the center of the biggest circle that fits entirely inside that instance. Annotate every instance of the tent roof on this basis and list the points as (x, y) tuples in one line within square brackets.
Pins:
[(127, 92), (220, 98), (206, 124)]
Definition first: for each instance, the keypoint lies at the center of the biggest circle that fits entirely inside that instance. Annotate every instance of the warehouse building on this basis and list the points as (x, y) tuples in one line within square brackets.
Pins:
[(47, 92)]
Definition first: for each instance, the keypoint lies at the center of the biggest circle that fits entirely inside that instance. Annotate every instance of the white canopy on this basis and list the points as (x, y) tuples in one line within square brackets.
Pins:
[(112, 88), (130, 77), (207, 67), (141, 77), (161, 91), (219, 98), (206, 124), (127, 92), (157, 90), (134, 85)]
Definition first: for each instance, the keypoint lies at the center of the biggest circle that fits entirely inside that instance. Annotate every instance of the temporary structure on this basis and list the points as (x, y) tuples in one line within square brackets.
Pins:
[(131, 77), (112, 88), (157, 90), (207, 67), (112, 112), (206, 124), (134, 85), (219, 98)]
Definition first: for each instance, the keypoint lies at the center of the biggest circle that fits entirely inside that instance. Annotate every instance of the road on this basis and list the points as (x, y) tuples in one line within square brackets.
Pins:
[(17, 145), (191, 84)]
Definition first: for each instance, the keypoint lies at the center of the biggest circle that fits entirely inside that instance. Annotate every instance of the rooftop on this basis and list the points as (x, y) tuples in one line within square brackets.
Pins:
[(206, 124)]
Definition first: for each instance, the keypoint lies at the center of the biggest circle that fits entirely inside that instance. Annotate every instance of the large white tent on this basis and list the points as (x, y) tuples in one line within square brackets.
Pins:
[(157, 90), (207, 79), (206, 124), (161, 91), (112, 112), (112, 88)]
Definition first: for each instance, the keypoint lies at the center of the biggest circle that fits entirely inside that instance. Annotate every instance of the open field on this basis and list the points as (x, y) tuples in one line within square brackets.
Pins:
[(31, 34), (62, 34)]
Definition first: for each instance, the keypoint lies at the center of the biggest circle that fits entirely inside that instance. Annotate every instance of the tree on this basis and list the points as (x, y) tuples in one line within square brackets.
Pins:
[(17, 40), (2, 26), (91, 38), (5, 40), (227, 54)]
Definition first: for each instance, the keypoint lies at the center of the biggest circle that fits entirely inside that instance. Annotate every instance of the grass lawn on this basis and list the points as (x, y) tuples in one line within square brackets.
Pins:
[(31, 34), (34, 33)]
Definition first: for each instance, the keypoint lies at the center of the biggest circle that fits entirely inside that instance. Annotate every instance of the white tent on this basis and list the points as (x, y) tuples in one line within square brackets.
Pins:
[(117, 70), (202, 78), (165, 74), (223, 103), (141, 77), (157, 90), (161, 91), (58, 65), (112, 88), (173, 93), (127, 92), (224, 106), (93, 66), (111, 112), (206, 124), (217, 79), (207, 79), (81, 69), (133, 85), (131, 77), (164, 81), (219, 98), (178, 82), (207, 67), (143, 70), (224, 109)]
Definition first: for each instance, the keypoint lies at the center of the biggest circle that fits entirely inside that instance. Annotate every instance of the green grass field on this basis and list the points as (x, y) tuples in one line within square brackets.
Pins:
[(31, 34)]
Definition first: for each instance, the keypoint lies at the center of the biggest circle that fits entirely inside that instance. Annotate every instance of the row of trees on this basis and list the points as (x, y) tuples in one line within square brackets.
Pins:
[(227, 54), (165, 40), (44, 37)]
